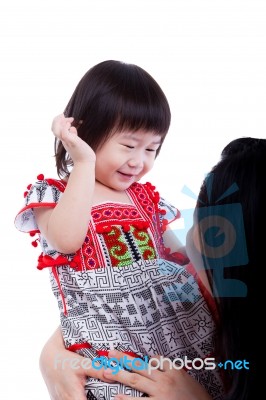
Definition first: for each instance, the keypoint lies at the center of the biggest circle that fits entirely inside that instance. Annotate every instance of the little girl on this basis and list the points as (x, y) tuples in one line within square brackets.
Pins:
[(115, 269)]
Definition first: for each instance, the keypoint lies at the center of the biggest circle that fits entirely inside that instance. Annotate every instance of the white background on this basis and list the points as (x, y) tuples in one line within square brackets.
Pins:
[(209, 58)]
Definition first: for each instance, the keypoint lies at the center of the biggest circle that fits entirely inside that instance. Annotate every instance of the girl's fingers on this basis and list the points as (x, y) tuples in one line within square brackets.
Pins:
[(61, 124), (73, 130), (68, 135)]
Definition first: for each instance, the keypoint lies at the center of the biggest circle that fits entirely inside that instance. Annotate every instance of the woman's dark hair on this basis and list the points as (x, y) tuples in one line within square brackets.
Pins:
[(236, 190), (114, 96)]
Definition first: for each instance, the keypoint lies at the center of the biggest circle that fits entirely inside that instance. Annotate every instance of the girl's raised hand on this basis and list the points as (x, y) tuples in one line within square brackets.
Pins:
[(78, 149), (169, 384)]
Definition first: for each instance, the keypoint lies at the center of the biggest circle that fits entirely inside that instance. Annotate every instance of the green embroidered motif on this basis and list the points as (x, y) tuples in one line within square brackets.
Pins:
[(126, 247), (118, 248), (144, 244)]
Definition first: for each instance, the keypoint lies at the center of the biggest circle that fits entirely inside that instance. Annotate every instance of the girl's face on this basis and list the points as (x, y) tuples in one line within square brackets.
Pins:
[(125, 158)]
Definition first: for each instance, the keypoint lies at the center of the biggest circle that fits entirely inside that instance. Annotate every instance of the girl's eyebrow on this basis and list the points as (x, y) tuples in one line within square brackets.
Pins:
[(131, 136), (157, 142)]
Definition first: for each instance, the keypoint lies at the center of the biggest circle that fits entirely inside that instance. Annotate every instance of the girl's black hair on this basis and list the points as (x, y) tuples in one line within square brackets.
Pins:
[(240, 335), (114, 96)]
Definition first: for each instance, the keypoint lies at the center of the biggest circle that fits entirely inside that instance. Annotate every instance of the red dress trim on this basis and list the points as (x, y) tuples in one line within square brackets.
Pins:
[(78, 346)]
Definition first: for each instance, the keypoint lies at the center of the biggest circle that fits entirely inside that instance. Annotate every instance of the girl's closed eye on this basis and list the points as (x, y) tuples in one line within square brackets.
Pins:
[(128, 145)]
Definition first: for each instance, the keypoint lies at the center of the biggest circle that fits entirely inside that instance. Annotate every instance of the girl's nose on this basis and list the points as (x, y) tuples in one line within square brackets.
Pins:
[(136, 161)]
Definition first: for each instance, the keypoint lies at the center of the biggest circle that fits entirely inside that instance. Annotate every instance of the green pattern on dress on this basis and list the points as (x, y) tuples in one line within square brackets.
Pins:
[(144, 243), (118, 248)]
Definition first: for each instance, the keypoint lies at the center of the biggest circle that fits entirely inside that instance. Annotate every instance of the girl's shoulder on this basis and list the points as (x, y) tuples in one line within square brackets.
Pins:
[(145, 191), (41, 181), (44, 189), (45, 192)]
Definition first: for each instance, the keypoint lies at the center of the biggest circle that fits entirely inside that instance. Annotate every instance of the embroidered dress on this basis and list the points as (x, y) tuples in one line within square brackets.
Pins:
[(122, 289)]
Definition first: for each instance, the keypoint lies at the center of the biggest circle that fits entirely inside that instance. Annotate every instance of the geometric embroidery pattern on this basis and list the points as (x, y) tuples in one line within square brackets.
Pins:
[(119, 291)]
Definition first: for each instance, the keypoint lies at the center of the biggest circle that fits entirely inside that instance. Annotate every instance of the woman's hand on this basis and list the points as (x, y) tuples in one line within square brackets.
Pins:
[(169, 384), (77, 149), (65, 372)]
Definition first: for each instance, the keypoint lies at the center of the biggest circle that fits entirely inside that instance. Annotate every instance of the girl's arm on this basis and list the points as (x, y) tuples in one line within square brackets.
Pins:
[(172, 242), (65, 372), (186, 254), (174, 250), (65, 226)]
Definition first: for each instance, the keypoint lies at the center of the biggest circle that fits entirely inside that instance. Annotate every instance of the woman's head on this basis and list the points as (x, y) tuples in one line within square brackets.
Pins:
[(239, 177), (114, 97), (237, 180), (232, 198)]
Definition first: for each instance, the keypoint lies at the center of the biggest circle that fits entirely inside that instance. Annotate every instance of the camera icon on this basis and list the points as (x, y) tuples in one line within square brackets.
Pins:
[(214, 237), (222, 240), (218, 236)]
